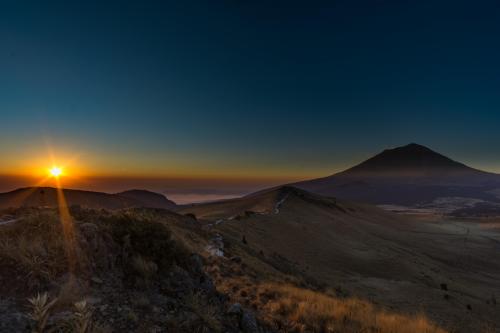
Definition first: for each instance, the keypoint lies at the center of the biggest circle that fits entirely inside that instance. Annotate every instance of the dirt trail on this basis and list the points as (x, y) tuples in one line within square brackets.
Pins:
[(8, 221), (279, 204)]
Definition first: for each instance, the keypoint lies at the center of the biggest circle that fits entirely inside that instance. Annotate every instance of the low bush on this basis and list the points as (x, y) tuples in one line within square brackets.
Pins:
[(145, 270)]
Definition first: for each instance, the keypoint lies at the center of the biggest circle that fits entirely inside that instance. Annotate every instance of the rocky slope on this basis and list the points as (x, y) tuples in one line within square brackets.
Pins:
[(110, 272)]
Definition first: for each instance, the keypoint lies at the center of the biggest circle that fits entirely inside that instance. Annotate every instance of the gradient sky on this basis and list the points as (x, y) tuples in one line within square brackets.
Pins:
[(245, 89)]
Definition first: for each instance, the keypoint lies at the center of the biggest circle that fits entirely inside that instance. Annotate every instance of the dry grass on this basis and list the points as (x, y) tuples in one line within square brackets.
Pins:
[(37, 259), (36, 248), (145, 269), (207, 314), (291, 309), (70, 292)]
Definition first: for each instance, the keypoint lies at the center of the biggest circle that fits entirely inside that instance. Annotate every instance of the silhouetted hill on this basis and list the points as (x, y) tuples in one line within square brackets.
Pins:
[(408, 175), (149, 199), (47, 197)]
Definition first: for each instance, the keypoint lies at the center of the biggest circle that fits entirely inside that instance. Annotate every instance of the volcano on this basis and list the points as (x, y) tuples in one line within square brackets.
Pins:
[(409, 175)]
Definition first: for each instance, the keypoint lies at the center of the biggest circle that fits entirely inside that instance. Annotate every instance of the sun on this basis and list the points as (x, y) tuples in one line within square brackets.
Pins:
[(55, 172)]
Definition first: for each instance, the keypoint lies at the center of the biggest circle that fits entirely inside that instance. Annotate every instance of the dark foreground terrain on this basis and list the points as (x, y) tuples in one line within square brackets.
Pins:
[(149, 270)]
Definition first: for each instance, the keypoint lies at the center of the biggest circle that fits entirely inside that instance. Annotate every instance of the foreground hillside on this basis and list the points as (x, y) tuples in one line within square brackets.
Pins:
[(145, 270), (128, 271), (448, 270)]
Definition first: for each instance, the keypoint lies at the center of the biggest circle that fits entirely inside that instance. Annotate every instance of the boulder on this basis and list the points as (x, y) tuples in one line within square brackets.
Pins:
[(235, 309), (248, 323)]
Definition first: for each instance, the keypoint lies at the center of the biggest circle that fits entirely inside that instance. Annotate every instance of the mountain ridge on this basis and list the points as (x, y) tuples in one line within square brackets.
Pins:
[(365, 249), (148, 199)]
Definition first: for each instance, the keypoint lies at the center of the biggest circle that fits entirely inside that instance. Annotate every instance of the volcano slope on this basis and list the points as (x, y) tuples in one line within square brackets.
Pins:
[(411, 176), (449, 270)]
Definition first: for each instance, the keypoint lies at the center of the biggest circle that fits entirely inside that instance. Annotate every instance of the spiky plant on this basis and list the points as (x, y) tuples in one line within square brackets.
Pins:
[(83, 317), (40, 310)]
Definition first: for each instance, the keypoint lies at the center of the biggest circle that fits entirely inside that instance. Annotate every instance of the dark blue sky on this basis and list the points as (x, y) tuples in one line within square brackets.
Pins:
[(247, 88)]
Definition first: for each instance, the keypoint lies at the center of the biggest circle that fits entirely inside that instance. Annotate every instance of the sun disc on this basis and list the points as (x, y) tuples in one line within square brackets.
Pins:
[(55, 172)]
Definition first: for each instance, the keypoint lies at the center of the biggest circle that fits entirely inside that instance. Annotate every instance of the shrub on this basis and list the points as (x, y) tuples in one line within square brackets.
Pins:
[(145, 269), (147, 239)]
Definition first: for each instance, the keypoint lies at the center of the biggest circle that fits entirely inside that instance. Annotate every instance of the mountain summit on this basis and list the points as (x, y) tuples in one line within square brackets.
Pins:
[(412, 159), (407, 175)]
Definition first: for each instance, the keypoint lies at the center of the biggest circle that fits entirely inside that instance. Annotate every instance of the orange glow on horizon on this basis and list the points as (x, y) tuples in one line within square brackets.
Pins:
[(84, 167)]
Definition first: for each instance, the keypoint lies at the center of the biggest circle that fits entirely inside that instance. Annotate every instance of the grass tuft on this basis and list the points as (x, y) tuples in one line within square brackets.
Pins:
[(208, 320)]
